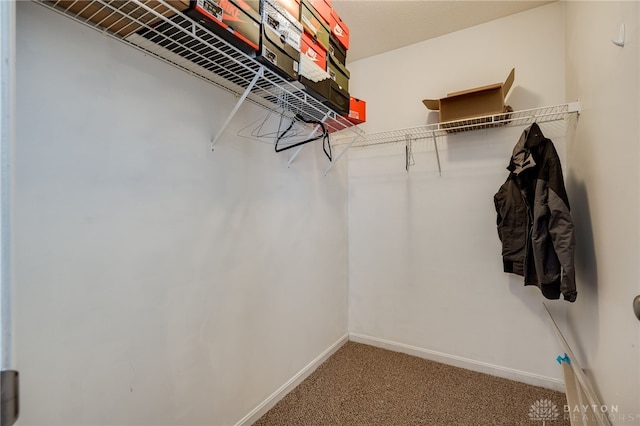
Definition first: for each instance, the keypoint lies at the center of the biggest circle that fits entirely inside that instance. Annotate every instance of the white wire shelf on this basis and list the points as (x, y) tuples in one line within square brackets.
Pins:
[(160, 30), (509, 119), (406, 138)]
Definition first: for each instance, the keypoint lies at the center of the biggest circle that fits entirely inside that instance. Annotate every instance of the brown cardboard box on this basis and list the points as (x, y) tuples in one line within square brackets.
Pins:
[(124, 20), (313, 24), (477, 102), (281, 39)]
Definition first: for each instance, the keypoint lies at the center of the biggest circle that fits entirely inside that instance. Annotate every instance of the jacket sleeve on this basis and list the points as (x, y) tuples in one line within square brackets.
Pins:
[(561, 228), (511, 221), (498, 206)]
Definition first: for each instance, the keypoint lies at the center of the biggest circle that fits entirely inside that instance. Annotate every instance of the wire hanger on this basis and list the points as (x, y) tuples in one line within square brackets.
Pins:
[(264, 130), (326, 143), (290, 132)]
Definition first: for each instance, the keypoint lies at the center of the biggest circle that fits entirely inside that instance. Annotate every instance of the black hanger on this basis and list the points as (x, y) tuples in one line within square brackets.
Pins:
[(324, 136)]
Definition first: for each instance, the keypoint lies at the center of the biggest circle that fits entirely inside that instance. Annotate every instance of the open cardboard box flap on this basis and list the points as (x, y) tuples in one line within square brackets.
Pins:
[(484, 100)]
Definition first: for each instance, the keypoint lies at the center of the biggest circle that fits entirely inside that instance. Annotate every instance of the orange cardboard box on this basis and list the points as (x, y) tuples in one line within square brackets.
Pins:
[(357, 111), (314, 51), (339, 29), (323, 7)]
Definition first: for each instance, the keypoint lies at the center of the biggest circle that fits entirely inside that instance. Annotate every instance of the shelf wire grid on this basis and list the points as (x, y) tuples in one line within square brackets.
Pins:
[(430, 131), (157, 28)]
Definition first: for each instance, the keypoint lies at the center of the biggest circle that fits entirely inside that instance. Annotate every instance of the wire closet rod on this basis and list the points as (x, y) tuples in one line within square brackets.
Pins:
[(508, 119)]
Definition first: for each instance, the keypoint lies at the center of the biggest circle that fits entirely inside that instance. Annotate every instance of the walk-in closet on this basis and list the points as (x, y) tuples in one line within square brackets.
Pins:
[(314, 212)]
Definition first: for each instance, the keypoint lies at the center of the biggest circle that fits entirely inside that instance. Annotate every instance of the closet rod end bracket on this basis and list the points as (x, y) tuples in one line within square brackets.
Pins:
[(621, 36)]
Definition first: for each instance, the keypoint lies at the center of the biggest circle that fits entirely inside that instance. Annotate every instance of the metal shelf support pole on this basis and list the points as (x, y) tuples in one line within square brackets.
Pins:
[(295, 154), (237, 106), (435, 145)]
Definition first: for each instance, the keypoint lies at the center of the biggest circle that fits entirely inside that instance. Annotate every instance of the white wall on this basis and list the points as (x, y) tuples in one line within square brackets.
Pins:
[(425, 259), (159, 282), (604, 185)]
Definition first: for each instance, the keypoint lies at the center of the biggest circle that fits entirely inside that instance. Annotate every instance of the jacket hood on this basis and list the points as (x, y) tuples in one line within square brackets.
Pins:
[(521, 158)]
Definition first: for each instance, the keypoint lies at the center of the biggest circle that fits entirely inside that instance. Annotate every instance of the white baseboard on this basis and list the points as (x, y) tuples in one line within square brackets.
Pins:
[(457, 361), (272, 400)]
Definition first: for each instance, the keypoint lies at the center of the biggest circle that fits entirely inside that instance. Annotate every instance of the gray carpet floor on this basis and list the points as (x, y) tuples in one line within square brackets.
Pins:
[(365, 385)]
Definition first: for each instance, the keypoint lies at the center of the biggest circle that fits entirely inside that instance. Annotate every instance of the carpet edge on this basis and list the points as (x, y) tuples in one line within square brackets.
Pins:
[(283, 390), (458, 361)]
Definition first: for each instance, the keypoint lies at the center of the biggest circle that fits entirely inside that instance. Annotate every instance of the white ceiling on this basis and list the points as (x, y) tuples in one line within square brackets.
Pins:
[(380, 26)]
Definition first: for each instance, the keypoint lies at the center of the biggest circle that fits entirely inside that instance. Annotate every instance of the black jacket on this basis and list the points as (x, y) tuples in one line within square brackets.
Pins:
[(534, 221)]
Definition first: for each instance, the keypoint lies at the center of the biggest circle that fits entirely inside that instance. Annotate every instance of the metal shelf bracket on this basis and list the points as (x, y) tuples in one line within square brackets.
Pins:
[(435, 145), (235, 109), (575, 106)]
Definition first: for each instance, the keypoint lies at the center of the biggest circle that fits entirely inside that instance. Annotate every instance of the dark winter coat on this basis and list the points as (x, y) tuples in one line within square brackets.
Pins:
[(534, 220)]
